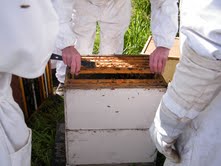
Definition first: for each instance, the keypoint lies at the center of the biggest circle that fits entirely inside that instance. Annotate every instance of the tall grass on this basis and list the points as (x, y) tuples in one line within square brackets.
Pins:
[(139, 29)]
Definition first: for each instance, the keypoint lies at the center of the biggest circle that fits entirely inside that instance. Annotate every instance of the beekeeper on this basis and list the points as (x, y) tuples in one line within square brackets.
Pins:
[(27, 35), (187, 126), (65, 42), (113, 17)]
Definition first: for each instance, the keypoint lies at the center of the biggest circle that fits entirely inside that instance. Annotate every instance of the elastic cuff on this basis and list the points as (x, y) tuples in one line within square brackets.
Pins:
[(65, 43), (65, 37), (163, 42)]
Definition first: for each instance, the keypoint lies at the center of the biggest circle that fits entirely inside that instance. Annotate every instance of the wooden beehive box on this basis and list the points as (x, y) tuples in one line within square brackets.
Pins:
[(109, 108)]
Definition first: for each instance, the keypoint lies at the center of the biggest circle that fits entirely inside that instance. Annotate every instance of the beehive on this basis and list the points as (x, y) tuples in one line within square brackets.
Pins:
[(108, 110)]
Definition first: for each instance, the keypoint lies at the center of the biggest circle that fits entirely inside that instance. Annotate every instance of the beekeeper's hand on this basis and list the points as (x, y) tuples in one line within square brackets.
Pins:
[(72, 58), (166, 148), (158, 59)]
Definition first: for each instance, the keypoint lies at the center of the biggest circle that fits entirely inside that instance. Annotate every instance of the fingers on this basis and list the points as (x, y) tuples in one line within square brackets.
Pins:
[(163, 64), (156, 64), (64, 59), (78, 64), (160, 66), (72, 58), (73, 67), (158, 60), (67, 59), (151, 63)]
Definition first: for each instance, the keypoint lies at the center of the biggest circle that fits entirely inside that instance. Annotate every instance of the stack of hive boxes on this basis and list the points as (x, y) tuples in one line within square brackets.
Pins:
[(108, 111)]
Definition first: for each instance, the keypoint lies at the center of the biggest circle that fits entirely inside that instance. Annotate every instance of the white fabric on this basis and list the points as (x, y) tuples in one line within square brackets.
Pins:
[(15, 136), (164, 24), (200, 142), (192, 97), (200, 25), (189, 113), (60, 71), (206, 32), (195, 84), (65, 38), (113, 17), (27, 36), (161, 133)]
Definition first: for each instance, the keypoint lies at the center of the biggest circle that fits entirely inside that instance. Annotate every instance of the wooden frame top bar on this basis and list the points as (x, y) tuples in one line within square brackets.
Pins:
[(118, 68)]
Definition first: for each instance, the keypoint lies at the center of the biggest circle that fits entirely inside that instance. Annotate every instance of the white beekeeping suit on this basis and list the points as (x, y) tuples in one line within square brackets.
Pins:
[(66, 36), (27, 35), (113, 17), (187, 121)]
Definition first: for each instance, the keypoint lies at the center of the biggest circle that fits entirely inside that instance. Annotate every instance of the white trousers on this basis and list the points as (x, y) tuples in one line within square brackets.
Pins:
[(113, 17), (15, 136), (195, 93)]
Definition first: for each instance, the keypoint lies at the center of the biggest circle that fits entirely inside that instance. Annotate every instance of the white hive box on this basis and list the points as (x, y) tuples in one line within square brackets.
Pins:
[(108, 111)]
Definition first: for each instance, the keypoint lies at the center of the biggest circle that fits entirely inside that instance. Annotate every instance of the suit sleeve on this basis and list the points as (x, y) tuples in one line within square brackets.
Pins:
[(66, 37), (164, 22)]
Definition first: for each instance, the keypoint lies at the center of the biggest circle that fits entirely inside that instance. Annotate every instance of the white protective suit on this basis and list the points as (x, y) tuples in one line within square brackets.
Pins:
[(189, 114), (66, 37), (113, 17), (27, 35)]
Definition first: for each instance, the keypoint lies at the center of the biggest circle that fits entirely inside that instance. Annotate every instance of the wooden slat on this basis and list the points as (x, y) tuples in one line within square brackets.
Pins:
[(114, 83), (116, 57), (118, 61), (106, 70), (50, 91), (23, 97), (115, 65)]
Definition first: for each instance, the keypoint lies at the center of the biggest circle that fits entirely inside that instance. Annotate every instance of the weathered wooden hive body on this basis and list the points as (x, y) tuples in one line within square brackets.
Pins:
[(108, 110)]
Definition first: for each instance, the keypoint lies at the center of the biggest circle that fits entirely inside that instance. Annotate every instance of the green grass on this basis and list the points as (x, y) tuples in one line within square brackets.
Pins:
[(43, 124), (139, 29)]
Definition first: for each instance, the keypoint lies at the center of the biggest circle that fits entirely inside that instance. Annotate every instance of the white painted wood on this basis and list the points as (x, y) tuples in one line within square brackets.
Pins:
[(109, 147), (111, 109)]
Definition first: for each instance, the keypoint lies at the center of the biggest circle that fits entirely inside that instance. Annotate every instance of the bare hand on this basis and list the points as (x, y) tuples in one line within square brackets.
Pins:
[(72, 58), (158, 59)]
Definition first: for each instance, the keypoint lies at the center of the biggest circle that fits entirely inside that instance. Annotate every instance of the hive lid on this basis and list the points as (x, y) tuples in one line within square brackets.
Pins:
[(114, 71)]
